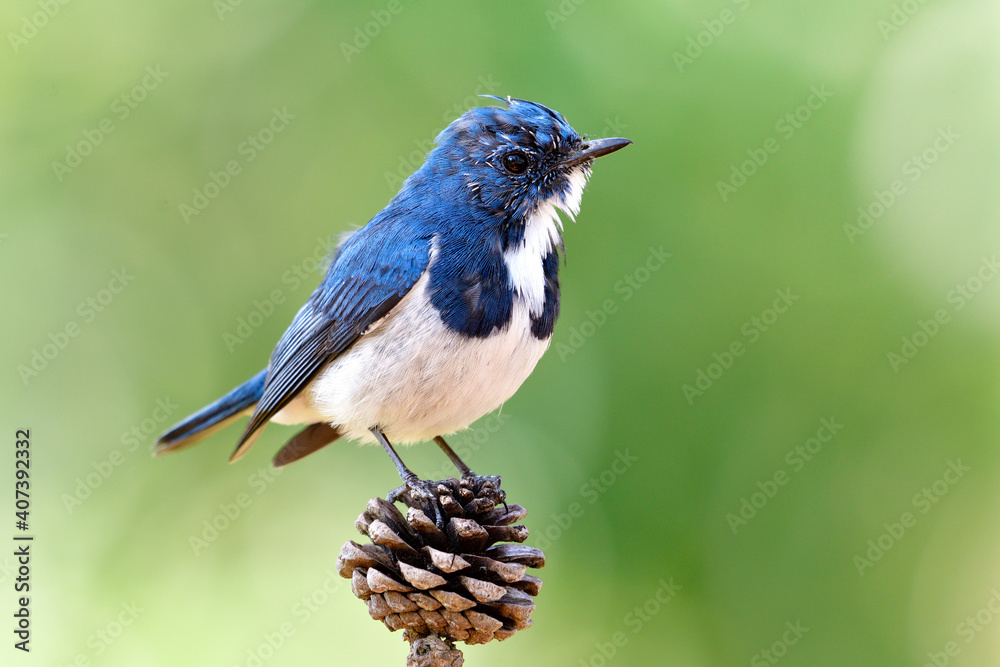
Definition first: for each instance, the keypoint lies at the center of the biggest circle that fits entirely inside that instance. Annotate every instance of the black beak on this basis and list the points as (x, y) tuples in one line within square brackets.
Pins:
[(595, 148)]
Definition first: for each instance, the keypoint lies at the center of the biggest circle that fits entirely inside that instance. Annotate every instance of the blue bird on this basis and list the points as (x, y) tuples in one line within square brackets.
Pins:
[(432, 314)]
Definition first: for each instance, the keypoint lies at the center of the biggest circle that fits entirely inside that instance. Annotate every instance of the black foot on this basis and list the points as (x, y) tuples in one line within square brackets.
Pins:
[(421, 494)]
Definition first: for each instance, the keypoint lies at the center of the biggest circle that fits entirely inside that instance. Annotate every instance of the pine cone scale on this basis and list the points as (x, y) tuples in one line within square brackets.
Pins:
[(467, 582)]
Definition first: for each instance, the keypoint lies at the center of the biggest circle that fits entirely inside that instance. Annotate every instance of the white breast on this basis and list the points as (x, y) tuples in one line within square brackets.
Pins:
[(416, 379)]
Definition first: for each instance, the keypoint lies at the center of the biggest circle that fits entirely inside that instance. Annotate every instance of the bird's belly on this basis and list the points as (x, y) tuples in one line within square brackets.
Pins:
[(414, 378)]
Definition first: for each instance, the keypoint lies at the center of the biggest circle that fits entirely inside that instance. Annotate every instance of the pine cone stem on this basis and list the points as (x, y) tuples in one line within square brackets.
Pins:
[(433, 652)]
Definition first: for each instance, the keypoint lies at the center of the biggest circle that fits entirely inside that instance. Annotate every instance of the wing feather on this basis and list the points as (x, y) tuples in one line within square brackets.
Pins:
[(374, 269)]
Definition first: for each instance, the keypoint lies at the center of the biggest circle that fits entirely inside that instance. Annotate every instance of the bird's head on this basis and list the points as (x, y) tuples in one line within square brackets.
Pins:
[(508, 162)]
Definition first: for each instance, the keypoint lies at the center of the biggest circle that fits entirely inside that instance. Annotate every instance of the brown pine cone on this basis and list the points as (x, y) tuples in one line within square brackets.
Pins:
[(461, 582)]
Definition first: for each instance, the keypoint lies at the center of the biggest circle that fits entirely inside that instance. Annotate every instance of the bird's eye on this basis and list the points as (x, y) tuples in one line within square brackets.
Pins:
[(515, 162)]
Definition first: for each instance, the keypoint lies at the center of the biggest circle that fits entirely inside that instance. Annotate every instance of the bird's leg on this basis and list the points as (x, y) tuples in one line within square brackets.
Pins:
[(450, 453), (404, 472), (414, 489)]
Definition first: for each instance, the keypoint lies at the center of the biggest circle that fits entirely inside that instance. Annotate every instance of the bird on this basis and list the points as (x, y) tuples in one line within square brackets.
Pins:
[(433, 313)]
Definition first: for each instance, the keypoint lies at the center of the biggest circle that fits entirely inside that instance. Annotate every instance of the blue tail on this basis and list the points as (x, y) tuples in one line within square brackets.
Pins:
[(214, 416)]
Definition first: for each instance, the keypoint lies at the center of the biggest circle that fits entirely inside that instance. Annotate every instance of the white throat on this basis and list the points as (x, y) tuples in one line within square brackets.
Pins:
[(542, 233)]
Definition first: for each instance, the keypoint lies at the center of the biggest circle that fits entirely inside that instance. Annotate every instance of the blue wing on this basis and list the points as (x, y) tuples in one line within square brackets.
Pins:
[(371, 273)]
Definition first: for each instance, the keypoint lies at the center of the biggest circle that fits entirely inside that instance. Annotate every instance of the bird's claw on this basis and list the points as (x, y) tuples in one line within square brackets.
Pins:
[(420, 494)]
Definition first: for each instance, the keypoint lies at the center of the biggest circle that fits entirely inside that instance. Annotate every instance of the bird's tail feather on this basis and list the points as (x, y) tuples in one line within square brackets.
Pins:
[(214, 416)]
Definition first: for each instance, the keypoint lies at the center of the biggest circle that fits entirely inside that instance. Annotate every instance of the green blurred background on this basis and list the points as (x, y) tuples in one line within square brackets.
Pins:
[(727, 527)]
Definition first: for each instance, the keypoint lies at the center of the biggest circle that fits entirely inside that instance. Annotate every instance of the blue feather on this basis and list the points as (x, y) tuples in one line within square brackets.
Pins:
[(462, 220)]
